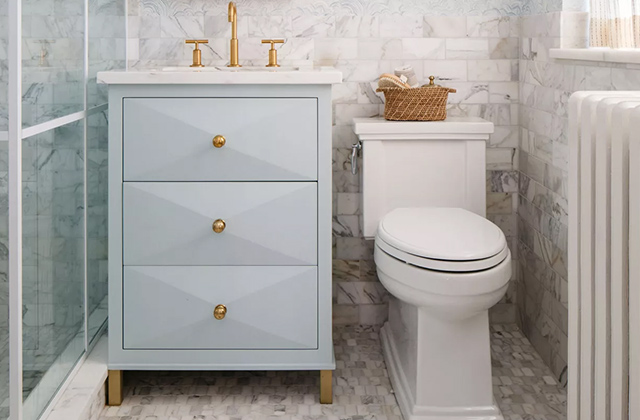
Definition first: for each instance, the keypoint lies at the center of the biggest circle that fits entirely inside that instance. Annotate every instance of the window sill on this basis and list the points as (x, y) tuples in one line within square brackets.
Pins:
[(627, 56)]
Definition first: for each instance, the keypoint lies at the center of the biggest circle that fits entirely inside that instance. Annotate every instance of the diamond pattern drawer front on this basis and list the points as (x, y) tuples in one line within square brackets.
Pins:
[(170, 223), (265, 139), (266, 307)]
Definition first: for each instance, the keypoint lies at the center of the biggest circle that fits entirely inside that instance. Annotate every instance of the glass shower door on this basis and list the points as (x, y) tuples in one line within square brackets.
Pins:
[(53, 276), (107, 42), (53, 261), (55, 115)]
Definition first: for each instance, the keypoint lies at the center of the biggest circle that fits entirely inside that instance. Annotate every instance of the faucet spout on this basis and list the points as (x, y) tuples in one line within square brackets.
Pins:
[(232, 12), (233, 18)]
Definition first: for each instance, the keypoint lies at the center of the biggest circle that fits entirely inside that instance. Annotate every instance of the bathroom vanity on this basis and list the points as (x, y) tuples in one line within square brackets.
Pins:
[(220, 221)]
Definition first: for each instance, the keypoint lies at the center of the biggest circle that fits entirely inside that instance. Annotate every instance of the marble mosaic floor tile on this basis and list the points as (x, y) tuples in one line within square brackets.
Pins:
[(523, 385)]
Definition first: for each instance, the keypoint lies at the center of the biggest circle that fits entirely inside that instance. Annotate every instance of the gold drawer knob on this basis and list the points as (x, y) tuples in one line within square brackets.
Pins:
[(219, 312), (219, 225), (219, 141)]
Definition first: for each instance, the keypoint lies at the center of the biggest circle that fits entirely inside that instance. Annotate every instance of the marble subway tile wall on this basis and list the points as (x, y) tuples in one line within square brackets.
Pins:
[(545, 87), (52, 52), (107, 44), (471, 46)]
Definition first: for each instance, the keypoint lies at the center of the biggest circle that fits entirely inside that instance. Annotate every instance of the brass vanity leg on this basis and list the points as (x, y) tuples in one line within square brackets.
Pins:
[(114, 388), (326, 387)]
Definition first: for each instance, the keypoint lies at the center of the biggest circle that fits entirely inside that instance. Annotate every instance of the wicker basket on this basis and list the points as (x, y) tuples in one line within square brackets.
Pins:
[(416, 104)]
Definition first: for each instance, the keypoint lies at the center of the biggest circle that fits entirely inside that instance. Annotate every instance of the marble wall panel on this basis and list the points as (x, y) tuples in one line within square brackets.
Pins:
[(472, 47), (52, 59), (545, 87)]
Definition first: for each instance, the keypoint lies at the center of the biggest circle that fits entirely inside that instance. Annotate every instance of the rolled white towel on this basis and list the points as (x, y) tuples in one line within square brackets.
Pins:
[(387, 80), (408, 73)]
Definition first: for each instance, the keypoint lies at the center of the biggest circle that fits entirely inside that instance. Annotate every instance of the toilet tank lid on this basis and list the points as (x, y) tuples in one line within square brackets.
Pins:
[(452, 125), (450, 234)]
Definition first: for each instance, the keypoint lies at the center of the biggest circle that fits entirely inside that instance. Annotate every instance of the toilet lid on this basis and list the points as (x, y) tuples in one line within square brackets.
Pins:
[(439, 233)]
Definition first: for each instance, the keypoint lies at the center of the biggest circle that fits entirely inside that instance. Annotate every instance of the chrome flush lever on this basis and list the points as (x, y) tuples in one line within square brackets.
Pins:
[(355, 152)]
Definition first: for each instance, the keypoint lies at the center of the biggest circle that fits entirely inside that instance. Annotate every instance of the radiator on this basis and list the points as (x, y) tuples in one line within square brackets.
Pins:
[(604, 256)]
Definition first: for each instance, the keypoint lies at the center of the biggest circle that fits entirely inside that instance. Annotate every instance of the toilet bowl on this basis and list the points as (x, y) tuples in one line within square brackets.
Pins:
[(443, 263), (448, 260), (445, 267)]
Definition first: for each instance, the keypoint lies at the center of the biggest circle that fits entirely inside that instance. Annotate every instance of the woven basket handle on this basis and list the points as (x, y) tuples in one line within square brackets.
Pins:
[(450, 90)]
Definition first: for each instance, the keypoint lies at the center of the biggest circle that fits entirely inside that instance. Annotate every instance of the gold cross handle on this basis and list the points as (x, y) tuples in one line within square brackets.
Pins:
[(273, 53), (197, 53)]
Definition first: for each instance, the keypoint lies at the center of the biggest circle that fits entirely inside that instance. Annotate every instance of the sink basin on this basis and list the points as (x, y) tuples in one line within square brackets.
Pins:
[(193, 69), (259, 68), (232, 69)]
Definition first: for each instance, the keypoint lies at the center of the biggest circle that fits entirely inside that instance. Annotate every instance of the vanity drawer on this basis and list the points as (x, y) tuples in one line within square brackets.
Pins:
[(266, 223), (171, 139), (266, 307)]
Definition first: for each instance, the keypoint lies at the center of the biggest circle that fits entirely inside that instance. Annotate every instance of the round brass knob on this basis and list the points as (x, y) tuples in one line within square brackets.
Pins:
[(219, 225), (219, 141), (219, 312)]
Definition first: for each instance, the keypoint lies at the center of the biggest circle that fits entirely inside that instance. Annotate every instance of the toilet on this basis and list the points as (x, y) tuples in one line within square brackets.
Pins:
[(443, 263)]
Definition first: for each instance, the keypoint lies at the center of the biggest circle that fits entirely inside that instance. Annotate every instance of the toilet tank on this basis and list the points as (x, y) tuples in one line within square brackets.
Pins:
[(421, 164)]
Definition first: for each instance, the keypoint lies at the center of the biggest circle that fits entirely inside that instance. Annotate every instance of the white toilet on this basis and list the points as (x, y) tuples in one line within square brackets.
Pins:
[(445, 265)]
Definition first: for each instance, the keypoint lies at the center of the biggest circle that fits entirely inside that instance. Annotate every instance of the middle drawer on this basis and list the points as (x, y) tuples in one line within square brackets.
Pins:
[(225, 223)]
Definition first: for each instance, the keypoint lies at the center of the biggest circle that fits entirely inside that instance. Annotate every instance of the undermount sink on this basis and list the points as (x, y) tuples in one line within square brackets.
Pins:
[(259, 68), (233, 69), (194, 69)]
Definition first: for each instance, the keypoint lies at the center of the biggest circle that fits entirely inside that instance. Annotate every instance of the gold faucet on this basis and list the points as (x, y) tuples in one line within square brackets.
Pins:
[(233, 18)]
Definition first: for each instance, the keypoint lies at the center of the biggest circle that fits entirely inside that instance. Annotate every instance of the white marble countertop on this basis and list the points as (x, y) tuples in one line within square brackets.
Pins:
[(452, 125), (222, 75)]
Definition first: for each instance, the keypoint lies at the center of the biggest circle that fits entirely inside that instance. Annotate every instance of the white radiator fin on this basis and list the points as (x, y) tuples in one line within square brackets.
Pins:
[(601, 213), (634, 266)]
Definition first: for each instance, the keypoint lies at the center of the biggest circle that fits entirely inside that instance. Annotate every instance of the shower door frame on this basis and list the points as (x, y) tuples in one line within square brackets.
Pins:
[(15, 208)]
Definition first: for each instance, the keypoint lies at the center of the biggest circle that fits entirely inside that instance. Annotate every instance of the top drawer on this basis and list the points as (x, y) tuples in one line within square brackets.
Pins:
[(171, 139)]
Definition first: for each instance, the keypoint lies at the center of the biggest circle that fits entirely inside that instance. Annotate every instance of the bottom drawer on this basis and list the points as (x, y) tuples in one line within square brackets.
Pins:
[(267, 307)]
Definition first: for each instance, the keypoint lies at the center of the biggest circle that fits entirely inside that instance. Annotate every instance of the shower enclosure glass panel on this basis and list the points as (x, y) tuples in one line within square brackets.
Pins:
[(53, 261), (52, 59), (97, 139), (107, 43), (63, 188)]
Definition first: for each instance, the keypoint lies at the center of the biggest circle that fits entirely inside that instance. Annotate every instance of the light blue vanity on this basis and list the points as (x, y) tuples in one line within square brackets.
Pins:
[(220, 221)]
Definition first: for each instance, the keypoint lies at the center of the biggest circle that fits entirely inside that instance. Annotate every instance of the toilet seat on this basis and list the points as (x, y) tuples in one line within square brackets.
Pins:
[(443, 265), (442, 239)]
